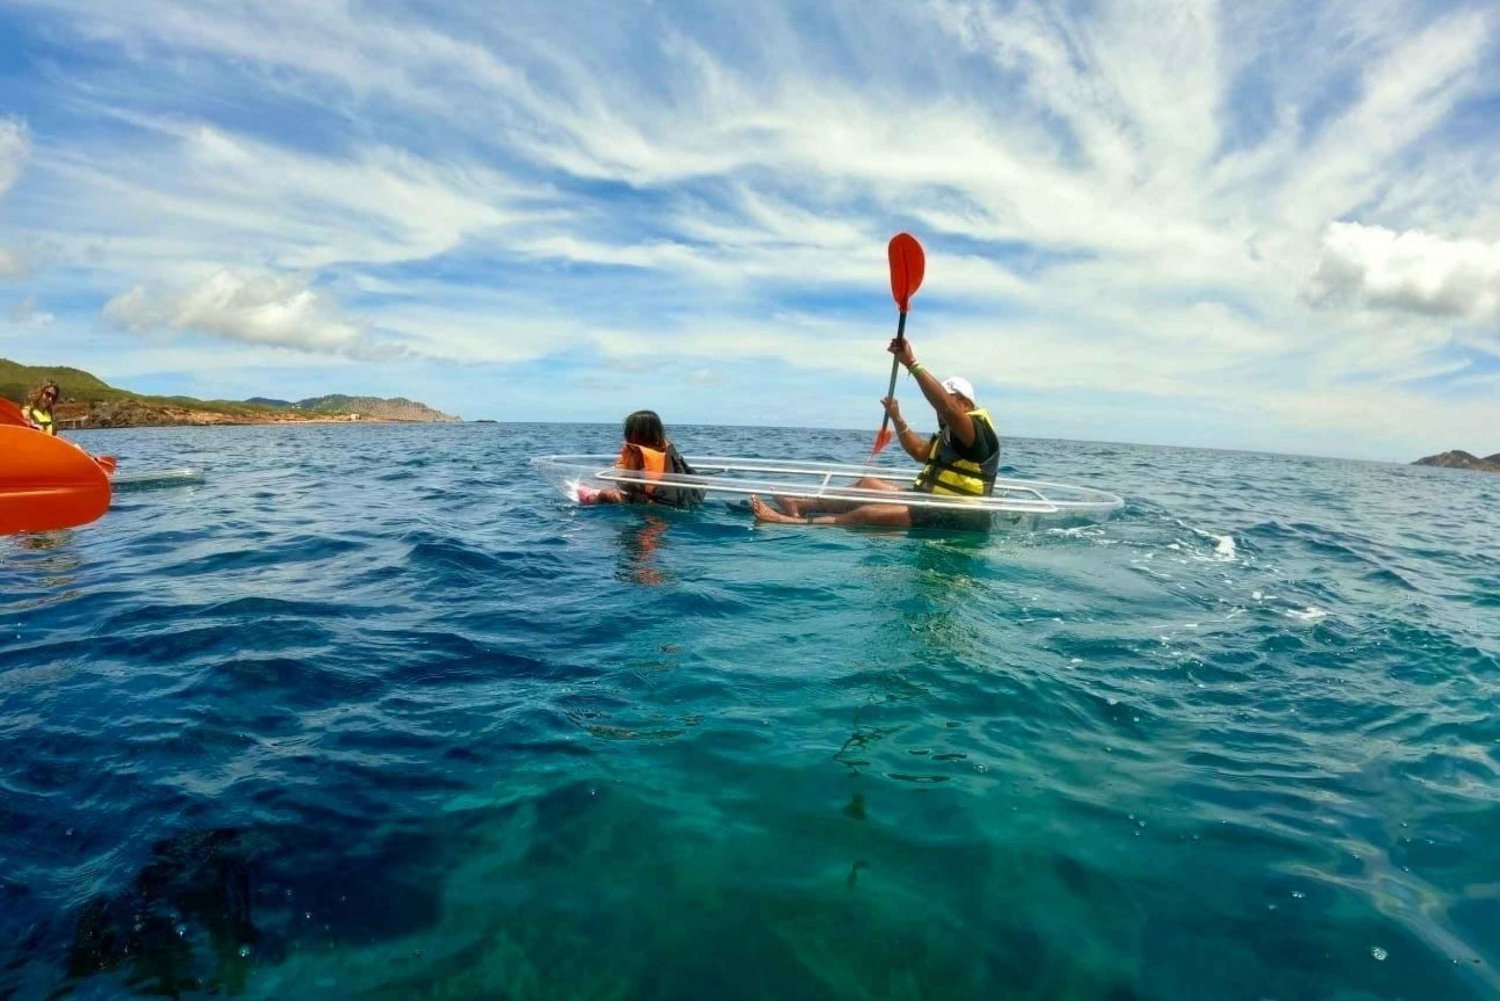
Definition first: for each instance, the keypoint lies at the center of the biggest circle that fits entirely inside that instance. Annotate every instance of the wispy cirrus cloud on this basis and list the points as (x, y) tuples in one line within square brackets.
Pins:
[(12, 264), (15, 148), (235, 197), (1272, 207), (26, 312)]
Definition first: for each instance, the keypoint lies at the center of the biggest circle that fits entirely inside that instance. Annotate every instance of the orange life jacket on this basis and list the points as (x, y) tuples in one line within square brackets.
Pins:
[(651, 461)]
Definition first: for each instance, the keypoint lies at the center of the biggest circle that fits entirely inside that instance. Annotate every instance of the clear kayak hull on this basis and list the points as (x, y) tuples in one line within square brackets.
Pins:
[(157, 480), (742, 477)]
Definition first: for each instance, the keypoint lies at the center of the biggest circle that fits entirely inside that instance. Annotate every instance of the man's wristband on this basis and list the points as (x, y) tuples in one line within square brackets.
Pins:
[(916, 367)]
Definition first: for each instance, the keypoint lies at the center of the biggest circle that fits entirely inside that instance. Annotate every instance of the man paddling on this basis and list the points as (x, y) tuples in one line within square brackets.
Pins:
[(961, 460)]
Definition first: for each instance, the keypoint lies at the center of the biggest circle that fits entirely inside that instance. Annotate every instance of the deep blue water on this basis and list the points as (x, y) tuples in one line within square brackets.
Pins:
[(374, 714)]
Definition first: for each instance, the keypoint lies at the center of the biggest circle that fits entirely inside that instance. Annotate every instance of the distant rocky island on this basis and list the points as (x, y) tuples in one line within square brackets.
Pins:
[(1459, 459), (89, 402), (397, 408)]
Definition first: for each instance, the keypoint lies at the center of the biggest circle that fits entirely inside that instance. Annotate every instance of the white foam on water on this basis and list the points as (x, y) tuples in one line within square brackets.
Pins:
[(1308, 614), (1224, 548), (1077, 531)]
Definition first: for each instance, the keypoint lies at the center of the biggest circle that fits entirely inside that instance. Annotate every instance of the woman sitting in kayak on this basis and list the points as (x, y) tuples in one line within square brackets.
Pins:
[(38, 408), (646, 449)]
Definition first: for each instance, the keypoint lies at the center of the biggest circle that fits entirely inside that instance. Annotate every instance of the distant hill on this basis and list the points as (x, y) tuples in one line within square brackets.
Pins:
[(1459, 459), (16, 380), (397, 408), (88, 401), (373, 407)]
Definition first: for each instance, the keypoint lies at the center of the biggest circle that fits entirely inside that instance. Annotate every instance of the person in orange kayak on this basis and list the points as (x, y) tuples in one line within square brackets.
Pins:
[(648, 450), (38, 408), (961, 460)]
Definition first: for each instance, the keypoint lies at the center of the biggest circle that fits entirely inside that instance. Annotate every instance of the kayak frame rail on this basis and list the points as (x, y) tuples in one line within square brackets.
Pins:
[(1016, 496), (823, 491)]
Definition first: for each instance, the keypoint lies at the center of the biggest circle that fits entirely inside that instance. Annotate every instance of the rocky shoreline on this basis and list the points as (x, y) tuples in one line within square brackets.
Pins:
[(137, 414), (144, 413)]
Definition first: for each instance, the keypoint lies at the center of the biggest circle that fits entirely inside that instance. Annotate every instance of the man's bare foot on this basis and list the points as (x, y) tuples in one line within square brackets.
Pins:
[(764, 512), (790, 505)]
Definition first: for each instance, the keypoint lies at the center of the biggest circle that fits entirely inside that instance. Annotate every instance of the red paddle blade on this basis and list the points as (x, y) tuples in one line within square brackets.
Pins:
[(108, 463), (47, 483), (882, 439), (907, 265)]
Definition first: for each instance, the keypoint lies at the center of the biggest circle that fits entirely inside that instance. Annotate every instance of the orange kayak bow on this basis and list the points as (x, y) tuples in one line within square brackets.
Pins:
[(47, 483)]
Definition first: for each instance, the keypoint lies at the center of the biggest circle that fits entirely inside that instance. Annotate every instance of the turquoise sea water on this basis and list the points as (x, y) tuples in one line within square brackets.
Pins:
[(373, 714)]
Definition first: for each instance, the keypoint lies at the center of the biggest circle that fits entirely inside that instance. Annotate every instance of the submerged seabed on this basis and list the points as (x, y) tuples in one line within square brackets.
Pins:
[(372, 713)]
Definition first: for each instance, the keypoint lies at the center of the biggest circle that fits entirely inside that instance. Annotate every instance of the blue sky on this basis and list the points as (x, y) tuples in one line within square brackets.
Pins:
[(1268, 225)]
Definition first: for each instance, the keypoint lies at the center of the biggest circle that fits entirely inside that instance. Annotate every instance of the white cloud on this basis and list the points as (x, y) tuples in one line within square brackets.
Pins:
[(1408, 271), (25, 312), (15, 149), (12, 264), (266, 309)]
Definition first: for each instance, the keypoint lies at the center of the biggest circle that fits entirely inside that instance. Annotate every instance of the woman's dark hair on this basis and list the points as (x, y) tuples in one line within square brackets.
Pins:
[(644, 428)]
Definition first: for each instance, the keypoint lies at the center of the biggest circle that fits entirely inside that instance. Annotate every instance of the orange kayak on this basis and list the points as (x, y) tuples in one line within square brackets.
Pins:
[(47, 483)]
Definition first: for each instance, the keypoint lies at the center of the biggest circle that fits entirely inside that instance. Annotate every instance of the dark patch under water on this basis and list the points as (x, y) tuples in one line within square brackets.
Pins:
[(373, 713)]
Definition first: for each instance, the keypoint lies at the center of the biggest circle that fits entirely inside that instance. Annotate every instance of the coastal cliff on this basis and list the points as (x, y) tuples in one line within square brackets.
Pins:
[(89, 402), (1459, 459)]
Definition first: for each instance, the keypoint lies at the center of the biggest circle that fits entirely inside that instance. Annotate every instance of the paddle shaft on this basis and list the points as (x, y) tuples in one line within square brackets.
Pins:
[(890, 390)]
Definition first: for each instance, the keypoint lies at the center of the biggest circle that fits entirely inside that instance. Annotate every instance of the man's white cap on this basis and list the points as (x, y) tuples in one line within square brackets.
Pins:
[(958, 384)]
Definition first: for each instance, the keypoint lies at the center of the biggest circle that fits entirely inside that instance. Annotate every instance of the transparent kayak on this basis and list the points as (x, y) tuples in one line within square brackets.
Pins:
[(732, 477), (156, 480)]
